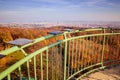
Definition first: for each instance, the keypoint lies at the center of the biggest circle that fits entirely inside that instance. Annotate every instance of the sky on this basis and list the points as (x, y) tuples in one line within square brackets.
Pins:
[(59, 10)]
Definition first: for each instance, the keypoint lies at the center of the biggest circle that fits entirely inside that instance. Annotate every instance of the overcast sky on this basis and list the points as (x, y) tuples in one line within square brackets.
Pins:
[(59, 10)]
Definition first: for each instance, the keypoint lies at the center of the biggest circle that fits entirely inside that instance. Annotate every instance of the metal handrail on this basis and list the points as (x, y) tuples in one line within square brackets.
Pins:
[(68, 47)]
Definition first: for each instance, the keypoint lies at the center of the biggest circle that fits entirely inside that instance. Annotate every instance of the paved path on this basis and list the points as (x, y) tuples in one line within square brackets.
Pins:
[(107, 74)]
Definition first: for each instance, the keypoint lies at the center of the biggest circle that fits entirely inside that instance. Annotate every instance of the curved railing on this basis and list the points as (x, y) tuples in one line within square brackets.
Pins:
[(76, 54)]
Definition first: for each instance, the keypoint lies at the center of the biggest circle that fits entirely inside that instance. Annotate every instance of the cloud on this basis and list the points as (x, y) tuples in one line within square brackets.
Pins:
[(74, 6), (53, 1)]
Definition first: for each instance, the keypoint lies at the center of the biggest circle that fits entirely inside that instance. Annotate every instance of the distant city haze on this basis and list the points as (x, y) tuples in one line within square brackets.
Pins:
[(31, 11)]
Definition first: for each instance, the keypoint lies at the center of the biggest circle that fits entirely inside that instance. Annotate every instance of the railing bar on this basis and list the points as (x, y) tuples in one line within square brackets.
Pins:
[(61, 60), (72, 68), (8, 77), (92, 50), (97, 50), (74, 63), (28, 69), (68, 58), (46, 37), (57, 43), (111, 46), (57, 65), (100, 51), (82, 64), (85, 54), (118, 47), (95, 43), (79, 42), (38, 40), (86, 30), (47, 64), (107, 46), (50, 69), (78, 45), (65, 59), (89, 36), (83, 70), (117, 50), (87, 47), (103, 48), (76, 55), (20, 74), (35, 75), (69, 35), (89, 72), (41, 66), (52, 57)]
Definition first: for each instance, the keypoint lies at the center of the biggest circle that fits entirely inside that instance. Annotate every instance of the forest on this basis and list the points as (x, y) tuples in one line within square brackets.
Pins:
[(112, 46)]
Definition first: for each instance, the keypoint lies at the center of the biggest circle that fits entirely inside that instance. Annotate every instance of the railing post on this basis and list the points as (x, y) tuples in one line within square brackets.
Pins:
[(65, 56), (103, 48)]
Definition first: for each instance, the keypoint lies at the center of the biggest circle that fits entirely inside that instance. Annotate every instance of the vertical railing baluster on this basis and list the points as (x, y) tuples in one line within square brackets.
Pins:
[(83, 45), (85, 56), (20, 74), (79, 57), (68, 58), (96, 51), (57, 65), (76, 55), (100, 51), (87, 47), (47, 64), (35, 75), (72, 67), (65, 57), (61, 61), (118, 49), (8, 77), (28, 70), (112, 58), (52, 57), (107, 51), (92, 62), (103, 48), (89, 52), (41, 66)]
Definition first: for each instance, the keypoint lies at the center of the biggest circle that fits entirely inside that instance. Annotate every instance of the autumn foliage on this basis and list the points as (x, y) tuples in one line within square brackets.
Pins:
[(81, 52)]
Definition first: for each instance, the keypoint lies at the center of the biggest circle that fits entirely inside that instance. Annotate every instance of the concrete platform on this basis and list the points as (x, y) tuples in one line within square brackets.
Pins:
[(108, 74)]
